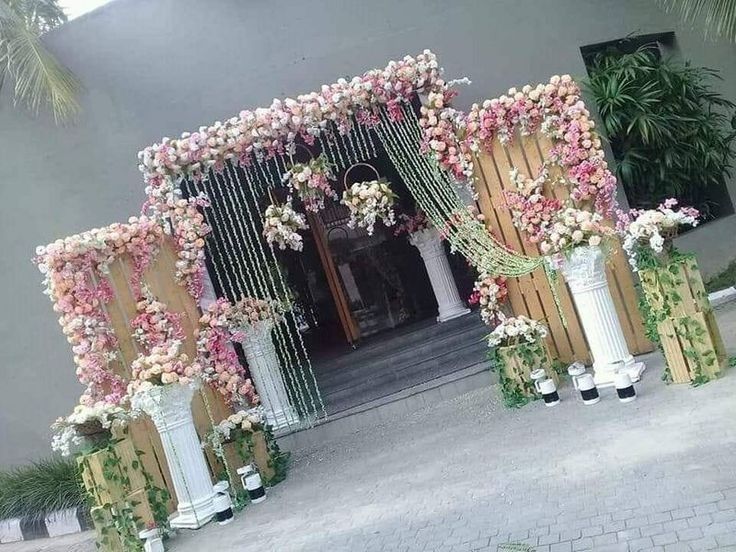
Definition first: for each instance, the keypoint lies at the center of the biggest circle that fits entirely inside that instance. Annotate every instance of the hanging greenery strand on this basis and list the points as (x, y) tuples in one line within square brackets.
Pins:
[(266, 287)]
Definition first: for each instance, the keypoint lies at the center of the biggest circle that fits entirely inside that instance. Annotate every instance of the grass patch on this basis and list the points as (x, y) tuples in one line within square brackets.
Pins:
[(40, 488), (723, 279)]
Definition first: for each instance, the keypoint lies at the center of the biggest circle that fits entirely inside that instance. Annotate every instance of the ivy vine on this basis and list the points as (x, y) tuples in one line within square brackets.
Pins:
[(531, 356)]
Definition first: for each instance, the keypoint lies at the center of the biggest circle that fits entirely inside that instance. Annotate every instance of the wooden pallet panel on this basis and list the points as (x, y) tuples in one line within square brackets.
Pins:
[(532, 295)]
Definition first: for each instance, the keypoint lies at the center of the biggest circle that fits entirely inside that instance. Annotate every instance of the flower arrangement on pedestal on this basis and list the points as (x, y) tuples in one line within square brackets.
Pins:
[(517, 348), (648, 234), (490, 292), (249, 311), (675, 307), (164, 365), (88, 427), (369, 202), (575, 228), (281, 226), (253, 440), (312, 182)]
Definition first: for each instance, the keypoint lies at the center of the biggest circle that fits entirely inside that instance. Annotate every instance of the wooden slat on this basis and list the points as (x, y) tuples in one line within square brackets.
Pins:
[(532, 295)]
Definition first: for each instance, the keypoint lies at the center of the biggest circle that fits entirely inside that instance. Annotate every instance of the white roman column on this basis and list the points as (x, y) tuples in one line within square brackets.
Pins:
[(584, 270), (440, 276), (265, 371), (169, 406)]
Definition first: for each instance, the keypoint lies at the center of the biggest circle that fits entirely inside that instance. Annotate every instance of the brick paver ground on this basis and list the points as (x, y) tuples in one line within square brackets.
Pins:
[(468, 474)]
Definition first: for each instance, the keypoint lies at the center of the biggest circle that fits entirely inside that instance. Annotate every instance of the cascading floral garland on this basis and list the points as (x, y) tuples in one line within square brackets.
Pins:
[(214, 351), (557, 111), (267, 132), (75, 270), (155, 324), (490, 293)]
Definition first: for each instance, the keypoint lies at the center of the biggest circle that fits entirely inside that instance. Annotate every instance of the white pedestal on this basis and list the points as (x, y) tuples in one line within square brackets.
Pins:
[(440, 275), (265, 372), (584, 270), (169, 406)]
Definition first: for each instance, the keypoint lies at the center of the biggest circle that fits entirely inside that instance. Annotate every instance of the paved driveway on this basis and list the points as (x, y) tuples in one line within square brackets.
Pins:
[(468, 474)]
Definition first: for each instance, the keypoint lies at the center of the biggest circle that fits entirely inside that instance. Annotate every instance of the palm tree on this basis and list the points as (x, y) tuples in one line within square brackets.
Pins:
[(37, 77), (718, 16)]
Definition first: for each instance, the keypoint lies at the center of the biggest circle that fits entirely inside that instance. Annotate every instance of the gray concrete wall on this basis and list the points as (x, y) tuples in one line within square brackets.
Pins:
[(157, 68)]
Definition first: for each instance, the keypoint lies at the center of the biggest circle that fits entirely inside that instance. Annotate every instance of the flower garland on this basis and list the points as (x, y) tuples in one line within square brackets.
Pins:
[(556, 110), (266, 132), (652, 231), (281, 226), (155, 325), (311, 182), (68, 266), (216, 354), (248, 421), (369, 202), (189, 230), (490, 292), (513, 330)]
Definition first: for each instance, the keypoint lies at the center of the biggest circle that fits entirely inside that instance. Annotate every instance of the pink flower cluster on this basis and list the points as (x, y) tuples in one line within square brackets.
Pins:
[(216, 353), (490, 292), (556, 110), (443, 134), (531, 211), (155, 325), (408, 224), (265, 132), (75, 280), (164, 365), (189, 230), (311, 181)]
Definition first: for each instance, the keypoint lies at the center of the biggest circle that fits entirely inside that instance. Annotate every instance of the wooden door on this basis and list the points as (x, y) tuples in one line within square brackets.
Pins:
[(342, 304)]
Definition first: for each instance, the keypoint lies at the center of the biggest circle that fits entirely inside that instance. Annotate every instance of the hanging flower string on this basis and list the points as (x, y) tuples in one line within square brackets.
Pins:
[(311, 181), (369, 202), (281, 226)]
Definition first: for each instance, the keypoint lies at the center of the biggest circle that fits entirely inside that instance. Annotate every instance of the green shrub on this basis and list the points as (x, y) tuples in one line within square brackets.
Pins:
[(671, 132), (40, 488)]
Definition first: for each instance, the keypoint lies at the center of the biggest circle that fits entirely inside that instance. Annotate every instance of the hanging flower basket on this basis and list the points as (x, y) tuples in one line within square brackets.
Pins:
[(311, 181), (369, 201), (281, 227), (519, 347)]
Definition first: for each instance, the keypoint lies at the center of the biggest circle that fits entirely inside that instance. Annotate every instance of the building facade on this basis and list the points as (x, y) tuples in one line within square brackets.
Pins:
[(152, 69)]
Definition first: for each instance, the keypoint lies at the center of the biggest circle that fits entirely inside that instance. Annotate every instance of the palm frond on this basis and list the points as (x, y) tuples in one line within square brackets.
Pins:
[(38, 77), (718, 17)]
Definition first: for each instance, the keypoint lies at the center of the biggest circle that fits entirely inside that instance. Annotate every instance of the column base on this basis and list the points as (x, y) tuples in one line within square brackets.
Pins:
[(282, 418), (449, 314), (186, 519), (604, 374)]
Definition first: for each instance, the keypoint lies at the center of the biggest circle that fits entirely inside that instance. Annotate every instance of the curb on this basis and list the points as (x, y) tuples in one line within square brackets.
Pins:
[(721, 297), (55, 524)]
